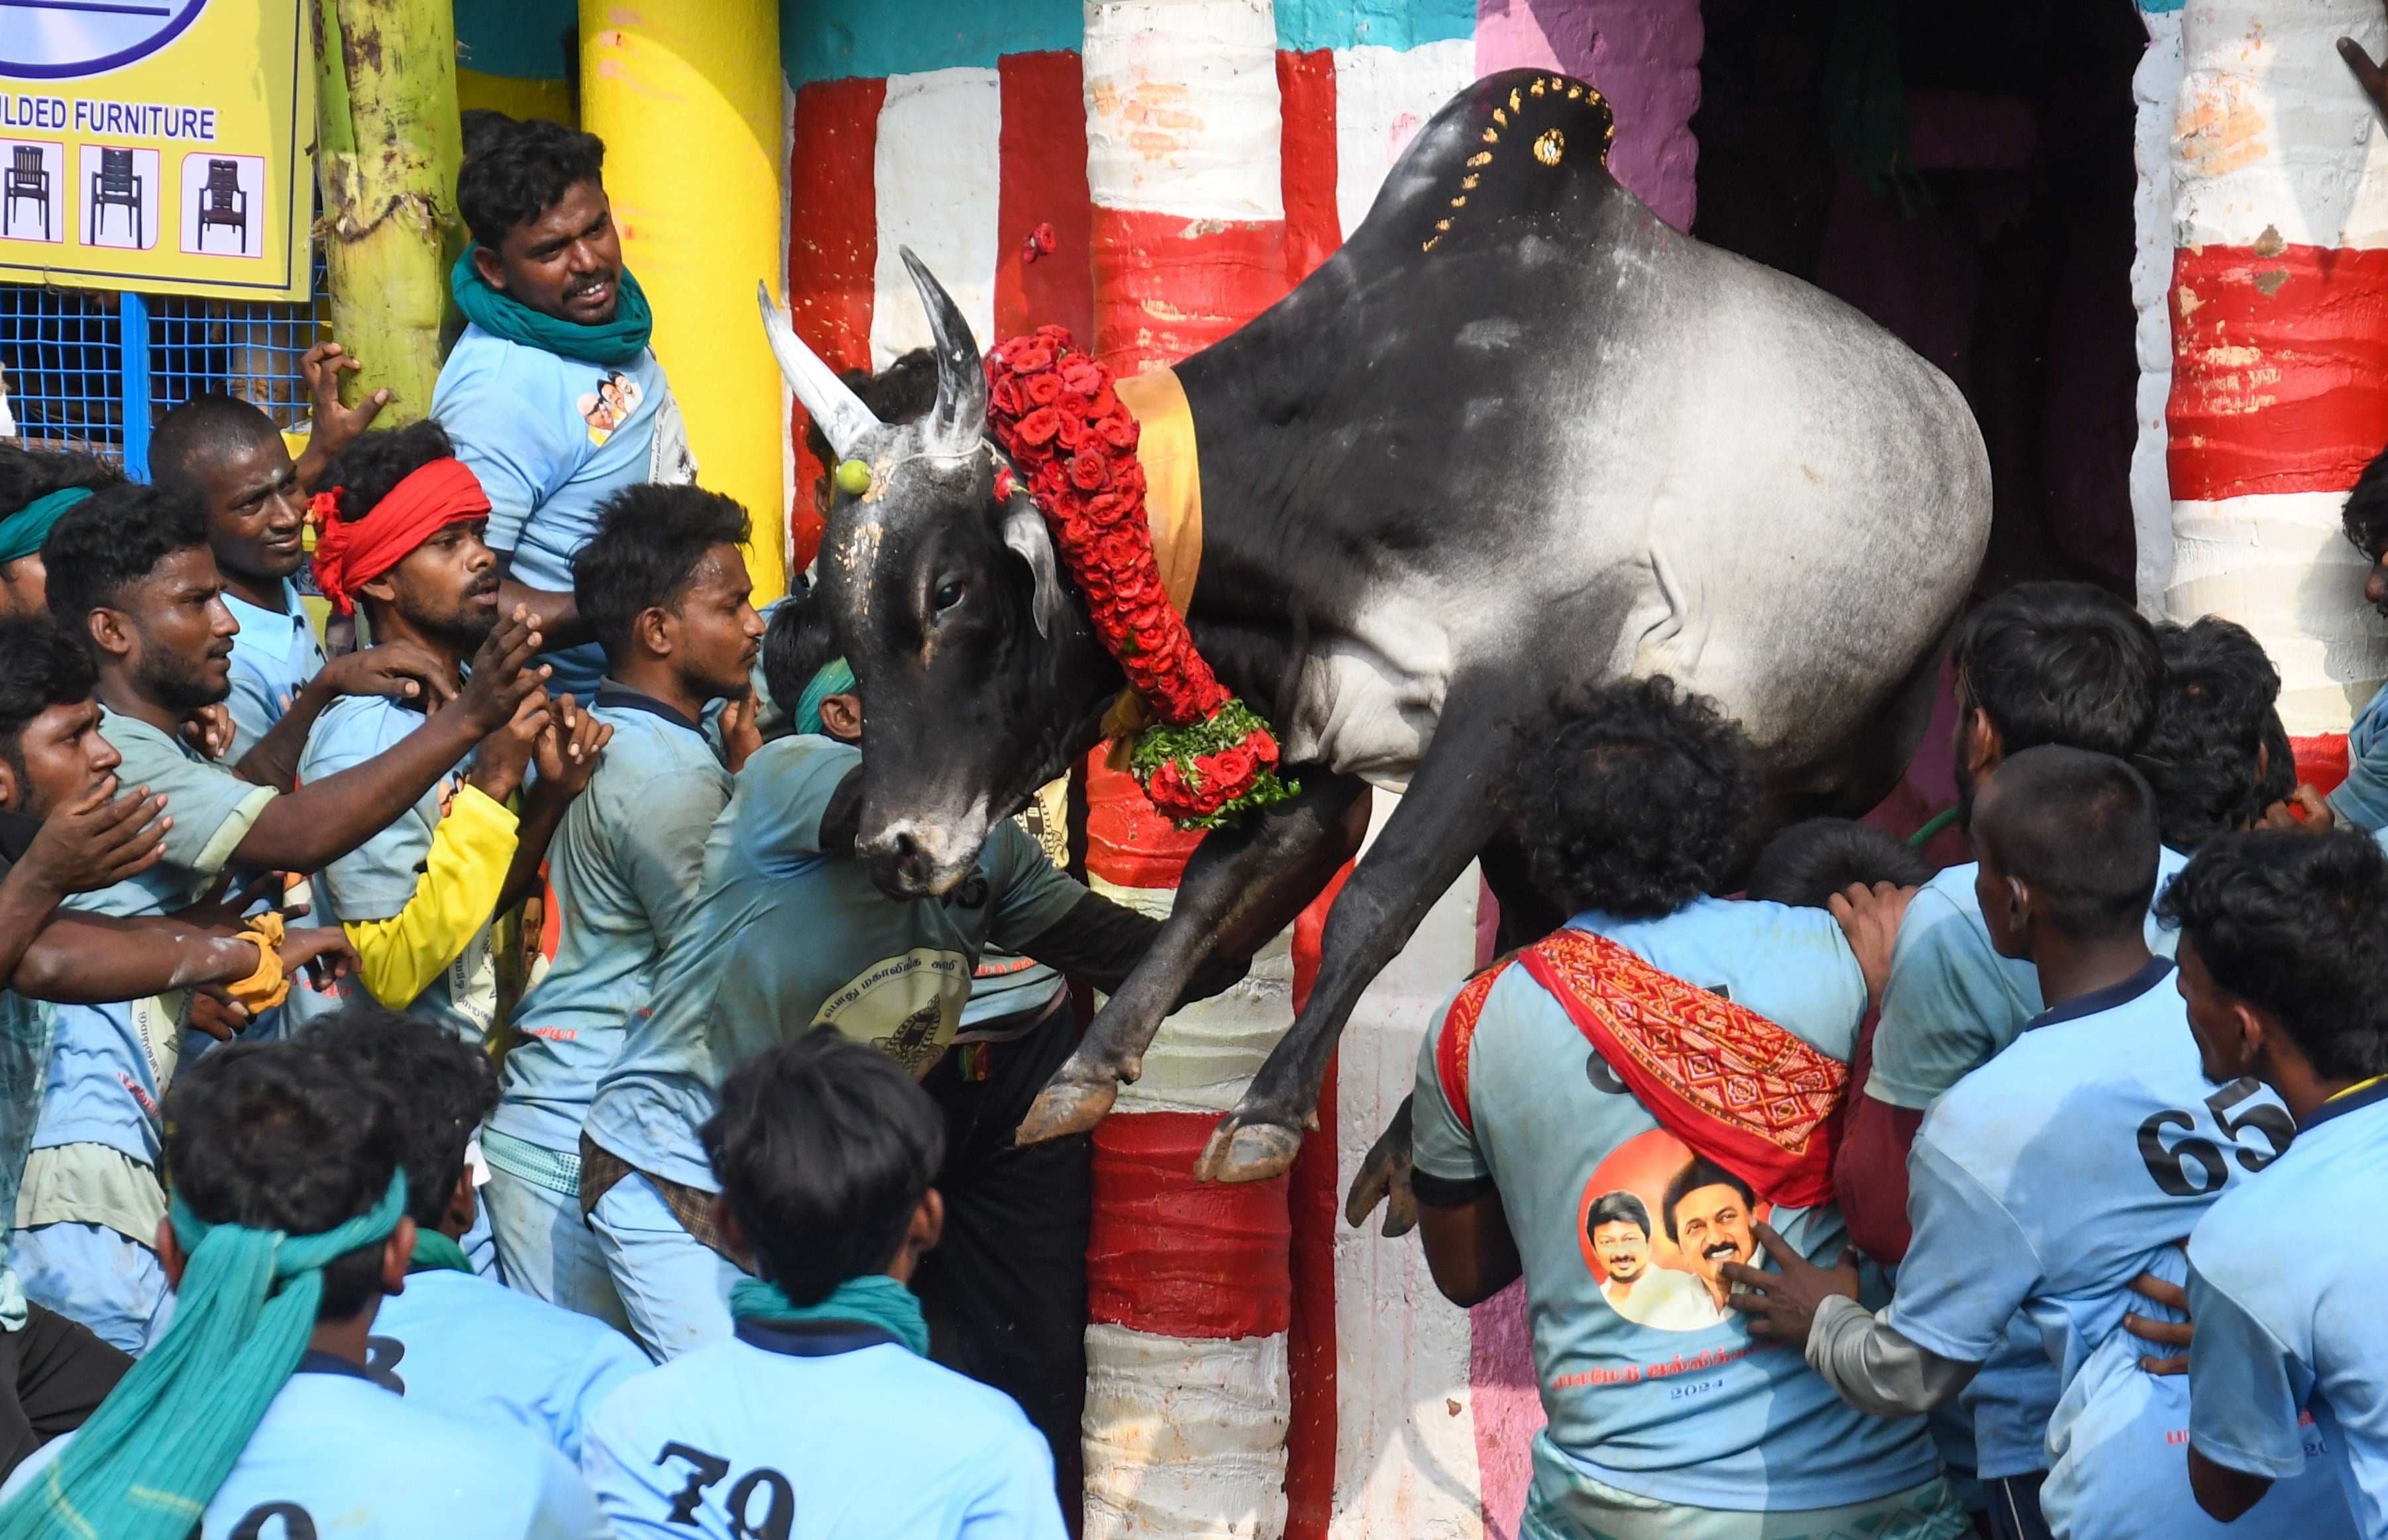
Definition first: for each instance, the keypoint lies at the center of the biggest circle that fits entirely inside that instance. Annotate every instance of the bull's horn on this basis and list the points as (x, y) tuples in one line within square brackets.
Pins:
[(958, 420), (837, 411)]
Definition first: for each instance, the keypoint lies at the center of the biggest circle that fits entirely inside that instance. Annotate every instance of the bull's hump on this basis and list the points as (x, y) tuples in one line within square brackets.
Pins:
[(1520, 144)]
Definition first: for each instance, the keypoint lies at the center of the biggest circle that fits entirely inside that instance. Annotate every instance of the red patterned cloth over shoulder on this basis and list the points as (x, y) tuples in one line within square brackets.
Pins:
[(1734, 1087)]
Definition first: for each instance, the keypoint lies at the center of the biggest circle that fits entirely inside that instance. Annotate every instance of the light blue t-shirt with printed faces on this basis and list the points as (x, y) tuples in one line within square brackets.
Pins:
[(796, 1440), (2119, 1439), (551, 437), (471, 1348), (109, 1065), (337, 1455), (274, 657), (376, 880), (622, 875), (2049, 1178), (1651, 1383), (2284, 1285), (785, 938)]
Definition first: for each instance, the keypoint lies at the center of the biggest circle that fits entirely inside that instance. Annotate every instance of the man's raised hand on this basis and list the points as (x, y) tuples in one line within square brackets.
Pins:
[(336, 426), (99, 839), (569, 749), (395, 671), (1869, 918), (504, 676), (1782, 1306), (504, 754)]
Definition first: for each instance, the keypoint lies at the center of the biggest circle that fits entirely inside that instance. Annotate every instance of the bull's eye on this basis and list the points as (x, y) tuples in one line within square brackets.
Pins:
[(948, 594)]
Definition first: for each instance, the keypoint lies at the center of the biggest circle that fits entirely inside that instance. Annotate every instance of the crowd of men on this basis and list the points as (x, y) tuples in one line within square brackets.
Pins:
[(457, 1080)]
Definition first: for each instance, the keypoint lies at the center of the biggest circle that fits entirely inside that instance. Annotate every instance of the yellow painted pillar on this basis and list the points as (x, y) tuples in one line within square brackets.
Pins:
[(686, 94)]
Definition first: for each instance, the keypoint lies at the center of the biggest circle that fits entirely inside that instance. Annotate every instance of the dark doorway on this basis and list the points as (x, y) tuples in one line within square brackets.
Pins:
[(1963, 174)]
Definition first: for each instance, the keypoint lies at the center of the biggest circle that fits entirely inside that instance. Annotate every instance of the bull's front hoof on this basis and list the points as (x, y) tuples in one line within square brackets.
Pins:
[(1066, 1107), (1247, 1151)]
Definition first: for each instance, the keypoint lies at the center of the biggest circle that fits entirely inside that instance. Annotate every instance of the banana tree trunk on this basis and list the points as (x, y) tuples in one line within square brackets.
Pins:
[(386, 161)]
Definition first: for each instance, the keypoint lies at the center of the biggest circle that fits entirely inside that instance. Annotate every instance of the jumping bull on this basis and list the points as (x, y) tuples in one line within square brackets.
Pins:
[(1516, 435)]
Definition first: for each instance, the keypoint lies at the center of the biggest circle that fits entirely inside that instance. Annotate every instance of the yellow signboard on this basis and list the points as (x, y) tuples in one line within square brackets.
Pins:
[(157, 144)]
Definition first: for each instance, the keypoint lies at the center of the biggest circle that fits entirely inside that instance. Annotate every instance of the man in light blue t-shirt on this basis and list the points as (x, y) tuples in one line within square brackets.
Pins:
[(463, 1345), (790, 933), (665, 590), (2284, 964), (552, 394), (1534, 1153), (130, 575), (821, 1415), (423, 898), (2042, 663), (2044, 1182), (332, 1452)]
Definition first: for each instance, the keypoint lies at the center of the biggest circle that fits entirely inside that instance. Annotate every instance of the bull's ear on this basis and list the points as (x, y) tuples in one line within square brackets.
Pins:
[(1024, 532)]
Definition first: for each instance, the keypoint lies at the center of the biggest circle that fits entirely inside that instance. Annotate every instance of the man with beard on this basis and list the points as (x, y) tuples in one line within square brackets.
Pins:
[(1634, 810), (400, 536), (1618, 1227), (552, 394), (665, 588), (130, 575), (1709, 1212), (230, 455)]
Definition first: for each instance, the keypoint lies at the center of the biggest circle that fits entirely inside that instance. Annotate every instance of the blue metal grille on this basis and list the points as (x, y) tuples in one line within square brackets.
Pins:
[(73, 382)]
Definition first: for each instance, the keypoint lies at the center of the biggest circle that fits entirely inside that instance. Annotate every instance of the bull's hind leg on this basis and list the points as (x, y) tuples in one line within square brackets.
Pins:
[(1450, 809), (1241, 887)]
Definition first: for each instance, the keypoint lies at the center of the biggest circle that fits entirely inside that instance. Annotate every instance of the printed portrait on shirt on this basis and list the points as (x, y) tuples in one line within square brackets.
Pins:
[(609, 406), (1657, 1223)]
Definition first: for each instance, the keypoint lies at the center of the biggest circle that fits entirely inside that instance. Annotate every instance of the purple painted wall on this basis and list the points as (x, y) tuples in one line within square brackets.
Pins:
[(1644, 56)]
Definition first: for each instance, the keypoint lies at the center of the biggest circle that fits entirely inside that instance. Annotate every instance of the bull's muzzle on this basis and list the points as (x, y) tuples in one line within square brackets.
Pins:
[(923, 857)]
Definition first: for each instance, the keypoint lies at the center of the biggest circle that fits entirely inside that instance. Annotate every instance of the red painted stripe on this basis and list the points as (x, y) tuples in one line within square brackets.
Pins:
[(1305, 86), (1167, 285), (832, 250), (2279, 369), (1314, 1207), (2321, 762), (1128, 840), (1174, 1257), (1043, 150)]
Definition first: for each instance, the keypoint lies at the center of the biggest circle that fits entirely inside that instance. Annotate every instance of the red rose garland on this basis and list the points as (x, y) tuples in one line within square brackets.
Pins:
[(1211, 759)]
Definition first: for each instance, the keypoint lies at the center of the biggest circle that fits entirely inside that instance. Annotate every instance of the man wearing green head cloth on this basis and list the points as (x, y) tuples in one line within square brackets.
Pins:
[(551, 395), (255, 1413), (37, 489)]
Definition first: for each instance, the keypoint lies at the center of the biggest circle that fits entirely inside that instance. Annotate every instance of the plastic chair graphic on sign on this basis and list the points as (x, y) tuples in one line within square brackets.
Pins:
[(26, 180), (222, 200), (117, 186)]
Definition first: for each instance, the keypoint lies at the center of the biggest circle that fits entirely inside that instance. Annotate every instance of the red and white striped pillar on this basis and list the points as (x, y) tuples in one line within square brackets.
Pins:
[(1190, 1296), (2279, 336)]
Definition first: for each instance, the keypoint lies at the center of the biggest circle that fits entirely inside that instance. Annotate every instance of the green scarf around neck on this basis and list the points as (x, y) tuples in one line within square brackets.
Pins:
[(437, 1252), (151, 1457), (22, 532), (617, 341), (875, 1300)]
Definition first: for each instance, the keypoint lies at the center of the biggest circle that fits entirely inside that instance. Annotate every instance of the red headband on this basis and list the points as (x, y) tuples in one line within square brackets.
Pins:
[(350, 555)]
